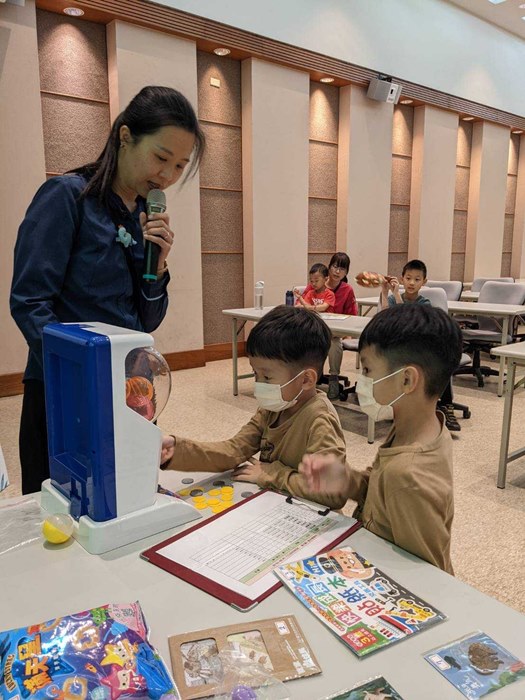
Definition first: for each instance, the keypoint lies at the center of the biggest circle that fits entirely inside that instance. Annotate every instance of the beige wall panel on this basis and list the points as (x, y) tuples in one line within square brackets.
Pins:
[(510, 199), (487, 193), (317, 258), (505, 265), (76, 131), (322, 224), (464, 147), (73, 57), (221, 220), (433, 188), (323, 170), (396, 262), (457, 266), (399, 225), (514, 154), (22, 155), (459, 233), (402, 128), (222, 288), (139, 57), (461, 189), (518, 236), (507, 233), (220, 104), (324, 112), (364, 179), (401, 178), (275, 176), (221, 164)]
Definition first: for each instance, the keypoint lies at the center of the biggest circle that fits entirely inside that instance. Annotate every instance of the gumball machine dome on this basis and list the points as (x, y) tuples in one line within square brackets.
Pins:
[(148, 382)]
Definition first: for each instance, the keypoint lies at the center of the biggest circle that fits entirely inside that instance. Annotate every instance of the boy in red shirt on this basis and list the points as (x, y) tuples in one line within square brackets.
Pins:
[(319, 298)]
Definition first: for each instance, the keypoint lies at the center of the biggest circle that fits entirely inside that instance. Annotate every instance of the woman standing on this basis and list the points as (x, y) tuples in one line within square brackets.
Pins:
[(80, 248)]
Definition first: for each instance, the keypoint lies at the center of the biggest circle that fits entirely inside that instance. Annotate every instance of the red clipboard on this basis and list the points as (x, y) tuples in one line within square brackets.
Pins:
[(206, 584)]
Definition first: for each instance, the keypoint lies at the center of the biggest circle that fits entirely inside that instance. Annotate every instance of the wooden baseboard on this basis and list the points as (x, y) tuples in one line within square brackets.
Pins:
[(11, 384), (223, 351)]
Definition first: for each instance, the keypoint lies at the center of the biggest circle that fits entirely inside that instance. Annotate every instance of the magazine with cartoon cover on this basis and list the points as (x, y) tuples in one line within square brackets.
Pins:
[(377, 688), (477, 665), (357, 601)]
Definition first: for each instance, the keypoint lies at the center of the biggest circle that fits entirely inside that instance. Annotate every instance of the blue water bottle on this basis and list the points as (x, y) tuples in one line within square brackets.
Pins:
[(289, 298)]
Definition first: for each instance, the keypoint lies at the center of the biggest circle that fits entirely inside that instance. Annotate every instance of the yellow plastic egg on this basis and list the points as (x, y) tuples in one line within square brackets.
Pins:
[(58, 528)]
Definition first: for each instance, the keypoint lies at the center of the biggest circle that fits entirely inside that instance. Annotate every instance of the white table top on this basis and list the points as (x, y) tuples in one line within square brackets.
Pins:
[(347, 326), (468, 308), (514, 351), (467, 295), (39, 582)]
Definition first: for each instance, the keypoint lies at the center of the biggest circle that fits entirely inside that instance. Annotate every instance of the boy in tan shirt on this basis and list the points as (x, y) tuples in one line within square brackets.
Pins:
[(408, 353), (287, 350)]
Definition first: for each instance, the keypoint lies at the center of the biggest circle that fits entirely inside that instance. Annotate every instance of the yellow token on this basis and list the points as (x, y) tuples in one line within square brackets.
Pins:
[(200, 506), (227, 489), (199, 499), (227, 504), (213, 501), (184, 492), (227, 496), (217, 509), (214, 492)]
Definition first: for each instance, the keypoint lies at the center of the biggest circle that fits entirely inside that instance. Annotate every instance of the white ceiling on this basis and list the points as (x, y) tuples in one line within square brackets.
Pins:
[(506, 15)]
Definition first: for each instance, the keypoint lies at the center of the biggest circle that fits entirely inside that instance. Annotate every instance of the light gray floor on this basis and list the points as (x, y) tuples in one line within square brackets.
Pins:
[(488, 547)]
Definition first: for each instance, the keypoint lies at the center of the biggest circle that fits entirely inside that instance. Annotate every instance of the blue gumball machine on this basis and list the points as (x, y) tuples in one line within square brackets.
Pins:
[(105, 386)]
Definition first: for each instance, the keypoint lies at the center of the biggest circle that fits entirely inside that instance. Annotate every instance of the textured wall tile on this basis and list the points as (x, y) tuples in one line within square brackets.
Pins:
[(221, 104), (75, 132), (324, 112), (508, 234), (323, 170), (459, 232), (401, 180), (221, 221), (221, 165), (321, 224), (505, 264), (399, 223), (396, 262), (462, 185), (72, 56), (402, 130), (457, 267), (222, 288), (316, 258), (510, 199), (464, 144), (514, 152)]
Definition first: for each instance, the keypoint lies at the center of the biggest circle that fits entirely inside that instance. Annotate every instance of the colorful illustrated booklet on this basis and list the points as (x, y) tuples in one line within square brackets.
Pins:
[(374, 689), (477, 665), (355, 600)]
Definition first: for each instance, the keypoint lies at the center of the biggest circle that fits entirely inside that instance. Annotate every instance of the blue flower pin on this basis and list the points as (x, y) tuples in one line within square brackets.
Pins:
[(125, 237)]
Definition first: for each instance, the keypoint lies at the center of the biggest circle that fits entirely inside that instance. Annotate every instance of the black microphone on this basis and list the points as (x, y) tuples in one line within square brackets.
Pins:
[(155, 204)]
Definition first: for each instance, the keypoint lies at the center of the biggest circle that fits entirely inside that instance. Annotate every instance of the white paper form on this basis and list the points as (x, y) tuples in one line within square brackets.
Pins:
[(240, 549)]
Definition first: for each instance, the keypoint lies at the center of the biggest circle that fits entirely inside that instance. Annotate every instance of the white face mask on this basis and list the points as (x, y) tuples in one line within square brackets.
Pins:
[(269, 396), (367, 402)]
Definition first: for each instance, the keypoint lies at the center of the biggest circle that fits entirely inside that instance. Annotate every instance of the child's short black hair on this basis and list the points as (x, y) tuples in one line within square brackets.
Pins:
[(417, 334), (319, 267), (415, 265), (293, 335)]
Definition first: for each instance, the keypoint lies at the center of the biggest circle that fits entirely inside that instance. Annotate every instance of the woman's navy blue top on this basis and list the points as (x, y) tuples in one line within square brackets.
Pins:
[(69, 266)]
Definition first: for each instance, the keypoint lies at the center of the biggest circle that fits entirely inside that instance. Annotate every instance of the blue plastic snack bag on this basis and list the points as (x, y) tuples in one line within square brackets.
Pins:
[(98, 654)]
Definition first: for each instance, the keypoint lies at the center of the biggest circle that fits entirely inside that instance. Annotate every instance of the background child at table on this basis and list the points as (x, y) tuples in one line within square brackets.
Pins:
[(413, 277), (407, 353), (286, 349), (318, 297)]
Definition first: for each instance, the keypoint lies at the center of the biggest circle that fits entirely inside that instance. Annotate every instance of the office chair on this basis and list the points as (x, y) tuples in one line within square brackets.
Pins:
[(438, 298), (488, 333), (453, 289), (478, 282)]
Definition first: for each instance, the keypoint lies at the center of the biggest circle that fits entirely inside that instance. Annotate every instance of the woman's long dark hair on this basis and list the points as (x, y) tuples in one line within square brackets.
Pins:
[(151, 109), (340, 260)]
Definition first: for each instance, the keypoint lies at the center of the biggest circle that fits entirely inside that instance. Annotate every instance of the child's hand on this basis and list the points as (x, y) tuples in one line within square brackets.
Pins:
[(296, 293), (394, 284), (325, 473), (168, 448), (251, 471)]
